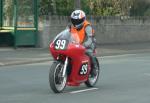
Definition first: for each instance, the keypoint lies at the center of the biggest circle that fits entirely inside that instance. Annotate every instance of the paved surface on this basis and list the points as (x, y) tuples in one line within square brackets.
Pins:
[(123, 79), (11, 56)]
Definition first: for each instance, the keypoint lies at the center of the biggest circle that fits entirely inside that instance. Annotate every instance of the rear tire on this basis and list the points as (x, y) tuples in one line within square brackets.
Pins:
[(56, 81), (92, 79)]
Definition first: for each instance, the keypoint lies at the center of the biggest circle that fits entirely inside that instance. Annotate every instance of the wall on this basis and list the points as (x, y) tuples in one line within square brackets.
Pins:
[(109, 30)]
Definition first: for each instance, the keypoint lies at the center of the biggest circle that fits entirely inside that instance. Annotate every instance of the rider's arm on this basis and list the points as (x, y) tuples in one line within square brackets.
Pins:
[(88, 40)]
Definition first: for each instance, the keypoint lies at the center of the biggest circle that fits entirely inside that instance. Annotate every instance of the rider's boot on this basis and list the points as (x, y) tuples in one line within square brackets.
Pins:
[(94, 66)]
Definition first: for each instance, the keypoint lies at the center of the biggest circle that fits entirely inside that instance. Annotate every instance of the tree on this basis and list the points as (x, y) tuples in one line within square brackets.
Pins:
[(97, 7), (140, 8), (64, 7), (112, 7), (46, 7)]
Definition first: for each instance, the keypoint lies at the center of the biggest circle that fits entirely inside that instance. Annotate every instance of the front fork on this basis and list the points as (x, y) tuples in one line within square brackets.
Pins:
[(63, 70), (65, 66)]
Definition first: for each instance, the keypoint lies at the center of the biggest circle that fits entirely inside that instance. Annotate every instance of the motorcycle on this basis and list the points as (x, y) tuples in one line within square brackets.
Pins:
[(71, 65)]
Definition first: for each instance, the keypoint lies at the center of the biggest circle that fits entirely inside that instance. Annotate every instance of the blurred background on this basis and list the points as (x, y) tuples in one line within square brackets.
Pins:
[(36, 22), (96, 7)]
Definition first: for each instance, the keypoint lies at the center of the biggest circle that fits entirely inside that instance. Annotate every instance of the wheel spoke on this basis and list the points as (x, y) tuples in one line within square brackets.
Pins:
[(61, 81), (57, 82)]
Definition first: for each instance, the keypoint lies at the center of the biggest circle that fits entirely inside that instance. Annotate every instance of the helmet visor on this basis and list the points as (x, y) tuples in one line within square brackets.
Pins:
[(77, 21)]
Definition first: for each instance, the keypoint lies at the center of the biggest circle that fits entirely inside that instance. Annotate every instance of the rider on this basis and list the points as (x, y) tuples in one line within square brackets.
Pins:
[(85, 32)]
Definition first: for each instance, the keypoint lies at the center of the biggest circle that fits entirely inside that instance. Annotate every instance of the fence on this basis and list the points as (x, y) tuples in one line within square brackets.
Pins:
[(109, 30)]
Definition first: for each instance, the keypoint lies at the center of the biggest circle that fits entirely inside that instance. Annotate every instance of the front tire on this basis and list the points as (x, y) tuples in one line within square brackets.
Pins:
[(92, 79), (56, 81)]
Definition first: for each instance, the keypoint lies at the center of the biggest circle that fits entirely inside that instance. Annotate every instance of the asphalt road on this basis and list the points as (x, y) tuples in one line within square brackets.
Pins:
[(123, 79)]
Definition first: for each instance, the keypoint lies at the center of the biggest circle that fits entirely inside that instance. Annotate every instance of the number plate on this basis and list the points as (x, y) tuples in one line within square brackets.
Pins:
[(84, 69), (60, 44)]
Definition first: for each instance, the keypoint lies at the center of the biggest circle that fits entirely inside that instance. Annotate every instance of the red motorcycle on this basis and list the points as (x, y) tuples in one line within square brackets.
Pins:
[(71, 65)]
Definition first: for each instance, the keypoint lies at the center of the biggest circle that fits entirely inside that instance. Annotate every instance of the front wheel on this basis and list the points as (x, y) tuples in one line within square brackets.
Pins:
[(93, 78), (56, 80)]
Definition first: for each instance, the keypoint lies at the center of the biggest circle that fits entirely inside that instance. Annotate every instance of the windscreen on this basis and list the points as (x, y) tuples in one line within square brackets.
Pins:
[(67, 35), (62, 40)]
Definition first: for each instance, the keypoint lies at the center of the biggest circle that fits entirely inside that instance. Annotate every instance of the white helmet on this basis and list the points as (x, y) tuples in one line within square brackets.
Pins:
[(77, 18)]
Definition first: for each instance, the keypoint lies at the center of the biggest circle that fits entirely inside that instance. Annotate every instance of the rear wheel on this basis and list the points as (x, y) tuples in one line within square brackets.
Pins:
[(93, 78), (56, 80)]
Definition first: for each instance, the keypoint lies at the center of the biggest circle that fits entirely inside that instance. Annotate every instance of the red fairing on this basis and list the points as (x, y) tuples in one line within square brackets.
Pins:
[(78, 58)]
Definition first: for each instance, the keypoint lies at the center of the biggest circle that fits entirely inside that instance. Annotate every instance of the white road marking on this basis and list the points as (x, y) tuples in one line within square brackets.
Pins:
[(84, 90), (147, 74), (2, 64), (119, 55)]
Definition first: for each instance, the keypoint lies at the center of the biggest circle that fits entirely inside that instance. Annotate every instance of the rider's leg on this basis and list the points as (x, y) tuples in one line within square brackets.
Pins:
[(93, 60)]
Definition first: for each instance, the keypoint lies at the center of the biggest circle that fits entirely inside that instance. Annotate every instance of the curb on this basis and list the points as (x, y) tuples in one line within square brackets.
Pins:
[(25, 62), (102, 52)]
